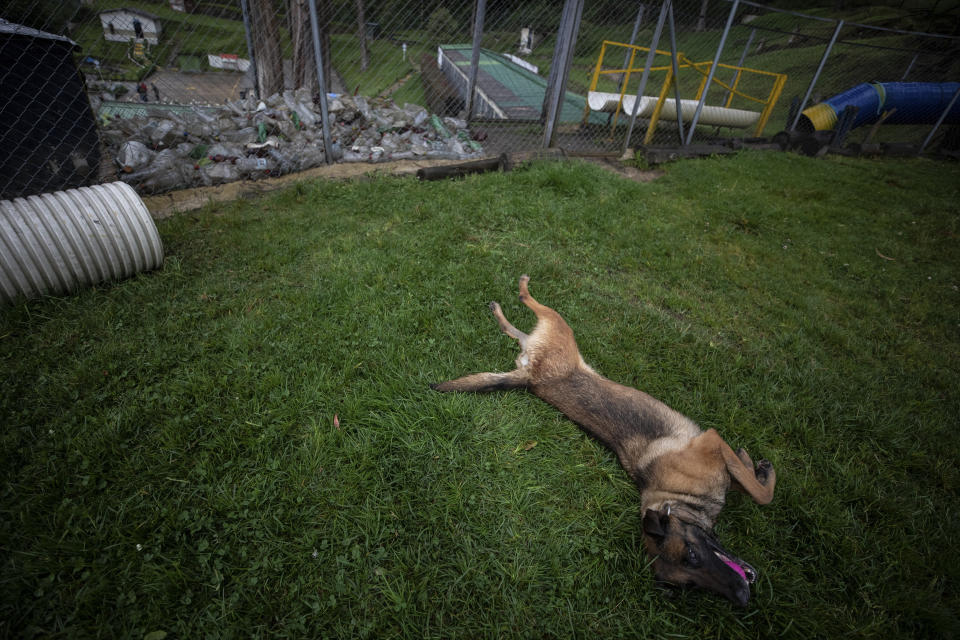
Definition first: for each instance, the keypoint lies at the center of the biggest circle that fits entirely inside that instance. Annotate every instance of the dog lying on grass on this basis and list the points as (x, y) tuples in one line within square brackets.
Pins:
[(683, 473)]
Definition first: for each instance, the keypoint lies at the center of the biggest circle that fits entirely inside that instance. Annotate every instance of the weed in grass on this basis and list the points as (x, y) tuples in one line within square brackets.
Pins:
[(170, 461)]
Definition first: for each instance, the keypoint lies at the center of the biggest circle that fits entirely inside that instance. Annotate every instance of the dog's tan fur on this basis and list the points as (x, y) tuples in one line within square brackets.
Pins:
[(682, 472)]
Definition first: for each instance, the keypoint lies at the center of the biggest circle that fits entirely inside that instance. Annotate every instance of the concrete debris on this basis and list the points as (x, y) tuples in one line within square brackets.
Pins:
[(251, 139)]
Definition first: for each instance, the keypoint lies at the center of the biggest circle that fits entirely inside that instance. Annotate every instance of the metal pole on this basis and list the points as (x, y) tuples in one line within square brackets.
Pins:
[(743, 58), (318, 60), (567, 63), (713, 70), (481, 10), (560, 85), (816, 76), (664, 8), (676, 70), (910, 66), (558, 55), (253, 59), (628, 54), (940, 120), (633, 39), (553, 80)]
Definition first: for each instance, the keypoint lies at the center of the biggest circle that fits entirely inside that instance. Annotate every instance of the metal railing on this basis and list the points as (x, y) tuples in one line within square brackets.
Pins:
[(621, 77)]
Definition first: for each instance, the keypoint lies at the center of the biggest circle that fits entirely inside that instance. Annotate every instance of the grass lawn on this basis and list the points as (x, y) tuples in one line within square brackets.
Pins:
[(170, 460)]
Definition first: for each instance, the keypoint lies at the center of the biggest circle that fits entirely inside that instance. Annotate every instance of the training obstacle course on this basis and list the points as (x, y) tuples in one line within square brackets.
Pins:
[(825, 126), (655, 108), (904, 102)]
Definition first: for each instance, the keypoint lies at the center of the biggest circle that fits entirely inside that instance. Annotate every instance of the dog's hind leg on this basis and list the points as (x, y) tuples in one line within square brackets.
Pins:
[(508, 328), (527, 299), (483, 382), (545, 315), (551, 351)]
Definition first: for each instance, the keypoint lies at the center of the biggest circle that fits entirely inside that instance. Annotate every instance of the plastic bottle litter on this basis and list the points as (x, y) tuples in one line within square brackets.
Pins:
[(133, 155), (246, 134), (221, 151), (254, 164), (301, 110), (435, 121), (223, 172), (250, 139), (165, 134), (455, 123), (362, 106)]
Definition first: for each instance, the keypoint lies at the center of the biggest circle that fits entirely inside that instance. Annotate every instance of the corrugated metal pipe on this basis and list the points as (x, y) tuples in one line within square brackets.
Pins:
[(55, 243)]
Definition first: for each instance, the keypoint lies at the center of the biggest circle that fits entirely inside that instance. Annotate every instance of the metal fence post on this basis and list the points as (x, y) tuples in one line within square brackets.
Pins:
[(743, 58), (940, 120), (713, 70), (253, 59), (674, 56), (816, 75), (664, 8), (481, 10), (633, 39), (318, 58), (563, 57), (559, 51)]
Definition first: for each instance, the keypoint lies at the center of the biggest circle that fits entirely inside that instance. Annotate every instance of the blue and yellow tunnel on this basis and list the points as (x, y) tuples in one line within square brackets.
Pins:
[(915, 103)]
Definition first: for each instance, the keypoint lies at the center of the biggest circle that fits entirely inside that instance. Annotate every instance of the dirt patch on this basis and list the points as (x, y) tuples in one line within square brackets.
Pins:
[(167, 204), (624, 171)]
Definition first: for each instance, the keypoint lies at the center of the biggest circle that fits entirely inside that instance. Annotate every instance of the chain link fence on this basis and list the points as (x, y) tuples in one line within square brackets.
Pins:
[(760, 70), (166, 94)]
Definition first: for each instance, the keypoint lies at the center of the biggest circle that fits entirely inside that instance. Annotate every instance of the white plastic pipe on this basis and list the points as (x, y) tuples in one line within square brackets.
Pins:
[(716, 116), (55, 243)]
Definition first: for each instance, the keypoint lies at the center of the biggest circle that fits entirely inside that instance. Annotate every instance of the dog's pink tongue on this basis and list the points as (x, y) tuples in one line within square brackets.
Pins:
[(733, 565)]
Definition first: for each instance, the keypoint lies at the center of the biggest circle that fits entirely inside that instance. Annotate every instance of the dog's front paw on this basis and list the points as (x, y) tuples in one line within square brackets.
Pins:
[(764, 469)]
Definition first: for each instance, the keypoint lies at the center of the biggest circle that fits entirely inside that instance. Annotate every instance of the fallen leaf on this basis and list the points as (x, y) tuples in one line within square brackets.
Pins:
[(883, 256), (529, 445), (336, 421)]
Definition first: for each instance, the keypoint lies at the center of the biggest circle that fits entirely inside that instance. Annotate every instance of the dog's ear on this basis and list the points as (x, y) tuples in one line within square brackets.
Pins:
[(653, 525)]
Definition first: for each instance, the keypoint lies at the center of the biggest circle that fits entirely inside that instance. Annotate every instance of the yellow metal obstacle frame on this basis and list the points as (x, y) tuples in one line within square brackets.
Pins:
[(683, 62)]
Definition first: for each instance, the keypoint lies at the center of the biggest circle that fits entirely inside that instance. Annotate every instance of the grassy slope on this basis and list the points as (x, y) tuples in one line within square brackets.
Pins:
[(387, 67), (190, 411), (181, 34)]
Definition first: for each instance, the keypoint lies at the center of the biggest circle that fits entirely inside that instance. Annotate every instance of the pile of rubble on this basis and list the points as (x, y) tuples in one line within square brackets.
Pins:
[(251, 139)]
